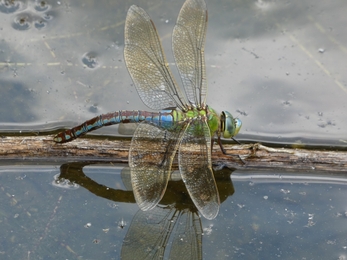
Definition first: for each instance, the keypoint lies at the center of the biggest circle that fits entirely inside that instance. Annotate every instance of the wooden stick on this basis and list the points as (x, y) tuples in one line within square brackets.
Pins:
[(245, 156)]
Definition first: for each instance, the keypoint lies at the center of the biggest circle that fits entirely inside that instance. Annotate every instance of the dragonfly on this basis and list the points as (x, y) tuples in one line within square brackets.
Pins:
[(181, 123)]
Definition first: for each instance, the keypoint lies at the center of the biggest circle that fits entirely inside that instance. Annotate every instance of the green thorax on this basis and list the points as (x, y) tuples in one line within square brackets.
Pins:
[(209, 113)]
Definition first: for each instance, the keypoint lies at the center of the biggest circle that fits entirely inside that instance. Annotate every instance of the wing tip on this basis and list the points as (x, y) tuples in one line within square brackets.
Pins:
[(210, 210)]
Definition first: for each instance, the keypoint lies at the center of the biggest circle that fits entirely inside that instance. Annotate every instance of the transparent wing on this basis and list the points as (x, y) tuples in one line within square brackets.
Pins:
[(187, 241), (148, 234), (188, 41), (151, 153), (147, 64), (196, 168)]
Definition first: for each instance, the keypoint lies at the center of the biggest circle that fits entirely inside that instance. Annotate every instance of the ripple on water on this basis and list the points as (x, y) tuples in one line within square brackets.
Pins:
[(9, 7), (22, 22), (90, 60), (42, 6)]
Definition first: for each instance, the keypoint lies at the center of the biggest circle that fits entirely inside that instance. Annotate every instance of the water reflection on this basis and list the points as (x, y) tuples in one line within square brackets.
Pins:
[(172, 228), (150, 231)]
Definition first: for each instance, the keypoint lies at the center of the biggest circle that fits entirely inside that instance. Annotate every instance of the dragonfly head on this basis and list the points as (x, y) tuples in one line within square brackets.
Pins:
[(230, 126)]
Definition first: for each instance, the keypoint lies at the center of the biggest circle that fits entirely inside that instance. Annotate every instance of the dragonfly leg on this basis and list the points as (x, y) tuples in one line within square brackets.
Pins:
[(221, 145), (212, 141), (235, 140), (223, 150)]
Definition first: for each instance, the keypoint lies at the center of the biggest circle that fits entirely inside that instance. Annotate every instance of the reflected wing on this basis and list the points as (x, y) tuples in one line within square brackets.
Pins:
[(196, 168), (147, 64), (188, 41), (125, 175), (187, 241), (148, 234), (151, 153)]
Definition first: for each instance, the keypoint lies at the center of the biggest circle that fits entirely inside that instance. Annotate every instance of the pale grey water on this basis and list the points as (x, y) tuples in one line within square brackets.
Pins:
[(277, 65)]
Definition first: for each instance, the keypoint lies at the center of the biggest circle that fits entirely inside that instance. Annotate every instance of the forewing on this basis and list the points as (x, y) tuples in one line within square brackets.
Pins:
[(151, 153), (148, 234), (147, 64), (188, 41), (196, 168)]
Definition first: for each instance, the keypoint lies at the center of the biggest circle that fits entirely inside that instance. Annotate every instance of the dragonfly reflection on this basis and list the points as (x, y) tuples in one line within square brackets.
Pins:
[(149, 232)]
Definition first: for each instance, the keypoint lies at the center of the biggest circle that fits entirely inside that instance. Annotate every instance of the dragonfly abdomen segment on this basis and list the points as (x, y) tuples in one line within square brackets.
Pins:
[(163, 118)]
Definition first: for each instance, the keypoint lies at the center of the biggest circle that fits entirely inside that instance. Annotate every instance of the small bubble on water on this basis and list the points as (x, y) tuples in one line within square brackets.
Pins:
[(64, 183), (112, 205), (122, 224), (321, 50), (88, 225), (241, 206), (208, 230), (285, 191)]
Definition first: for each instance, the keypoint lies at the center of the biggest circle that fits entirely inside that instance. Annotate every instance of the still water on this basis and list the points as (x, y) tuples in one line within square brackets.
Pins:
[(92, 215), (277, 65)]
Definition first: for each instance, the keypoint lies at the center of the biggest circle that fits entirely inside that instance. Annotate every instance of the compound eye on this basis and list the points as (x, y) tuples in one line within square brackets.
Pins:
[(230, 125)]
